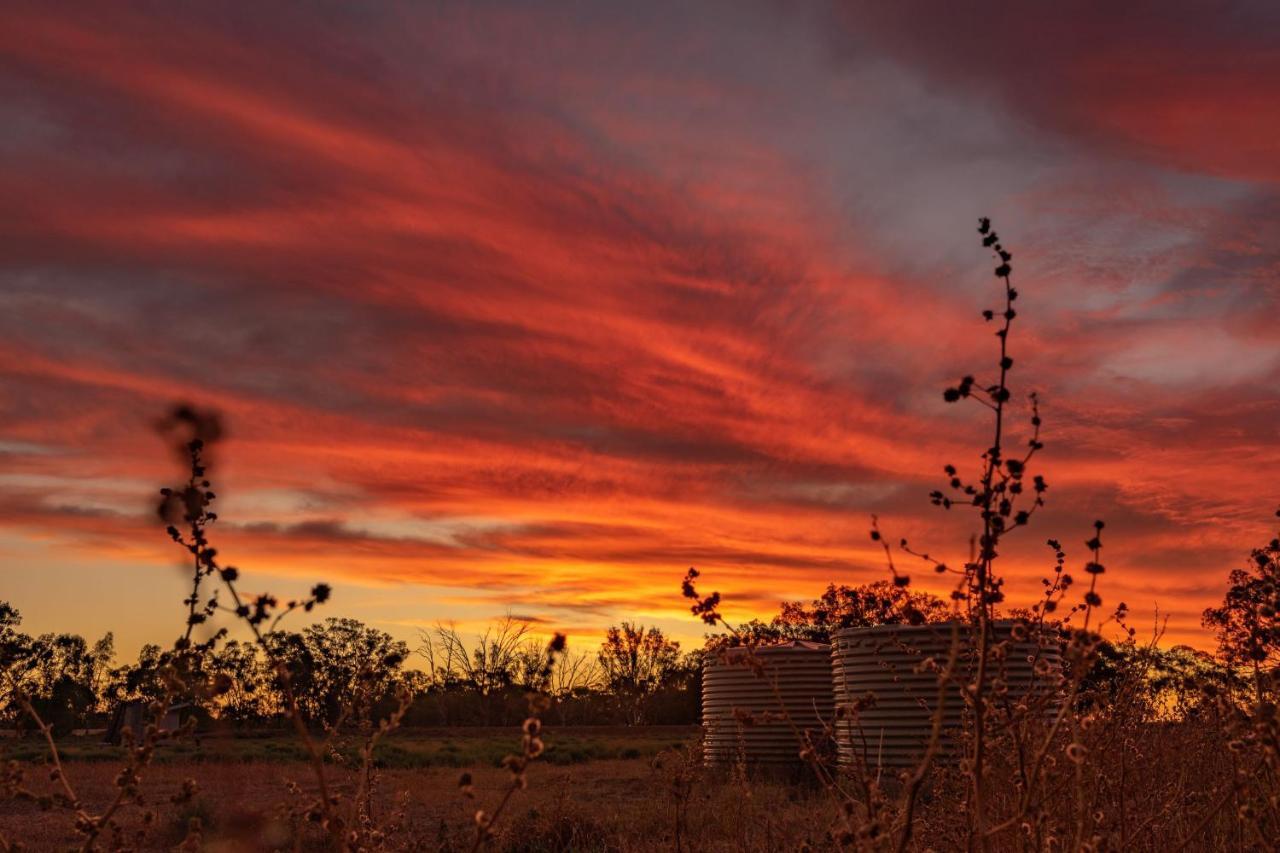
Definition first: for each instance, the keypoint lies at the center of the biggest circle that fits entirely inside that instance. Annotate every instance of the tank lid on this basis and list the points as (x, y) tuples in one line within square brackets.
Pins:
[(791, 645)]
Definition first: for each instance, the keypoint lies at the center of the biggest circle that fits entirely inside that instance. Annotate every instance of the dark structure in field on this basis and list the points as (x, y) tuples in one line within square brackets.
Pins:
[(135, 716)]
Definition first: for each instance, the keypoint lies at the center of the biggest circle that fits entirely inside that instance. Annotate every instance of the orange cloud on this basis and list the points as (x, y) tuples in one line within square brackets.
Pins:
[(539, 328)]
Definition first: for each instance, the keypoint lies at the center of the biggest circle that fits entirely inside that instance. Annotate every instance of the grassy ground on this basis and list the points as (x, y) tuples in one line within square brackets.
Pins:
[(408, 749), (587, 804)]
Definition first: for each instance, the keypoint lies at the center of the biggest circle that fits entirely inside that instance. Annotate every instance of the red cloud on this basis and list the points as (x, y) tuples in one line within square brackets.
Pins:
[(478, 334)]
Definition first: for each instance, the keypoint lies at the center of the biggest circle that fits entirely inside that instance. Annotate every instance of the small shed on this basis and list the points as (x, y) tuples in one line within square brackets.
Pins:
[(132, 714)]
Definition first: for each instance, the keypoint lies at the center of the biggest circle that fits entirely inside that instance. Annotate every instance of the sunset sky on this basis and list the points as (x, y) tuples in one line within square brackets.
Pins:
[(528, 308)]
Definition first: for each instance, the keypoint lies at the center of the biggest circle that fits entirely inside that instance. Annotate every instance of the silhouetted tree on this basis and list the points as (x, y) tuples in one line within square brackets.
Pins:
[(143, 680), (10, 619), (246, 692), (339, 669), (62, 676), (15, 659), (878, 603), (635, 661), (575, 677), (488, 666), (1247, 623), (61, 679)]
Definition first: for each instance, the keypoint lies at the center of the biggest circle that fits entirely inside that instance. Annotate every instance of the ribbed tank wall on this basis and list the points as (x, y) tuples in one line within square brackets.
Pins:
[(742, 708), (893, 730)]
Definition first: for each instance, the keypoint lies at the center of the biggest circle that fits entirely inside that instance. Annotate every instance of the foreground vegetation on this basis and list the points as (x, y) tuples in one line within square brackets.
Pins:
[(655, 803), (611, 805)]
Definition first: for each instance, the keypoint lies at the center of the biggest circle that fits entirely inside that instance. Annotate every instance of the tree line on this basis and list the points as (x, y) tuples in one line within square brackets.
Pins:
[(636, 675), (343, 671)]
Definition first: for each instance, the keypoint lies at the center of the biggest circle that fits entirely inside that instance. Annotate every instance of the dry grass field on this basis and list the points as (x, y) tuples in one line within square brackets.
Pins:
[(411, 748), (661, 799), (638, 803)]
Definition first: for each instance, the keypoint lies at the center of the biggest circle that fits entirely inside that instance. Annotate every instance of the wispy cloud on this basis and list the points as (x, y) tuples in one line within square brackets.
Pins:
[(545, 309)]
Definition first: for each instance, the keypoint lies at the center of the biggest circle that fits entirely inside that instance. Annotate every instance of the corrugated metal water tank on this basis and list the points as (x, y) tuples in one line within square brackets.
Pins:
[(742, 707), (886, 660)]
